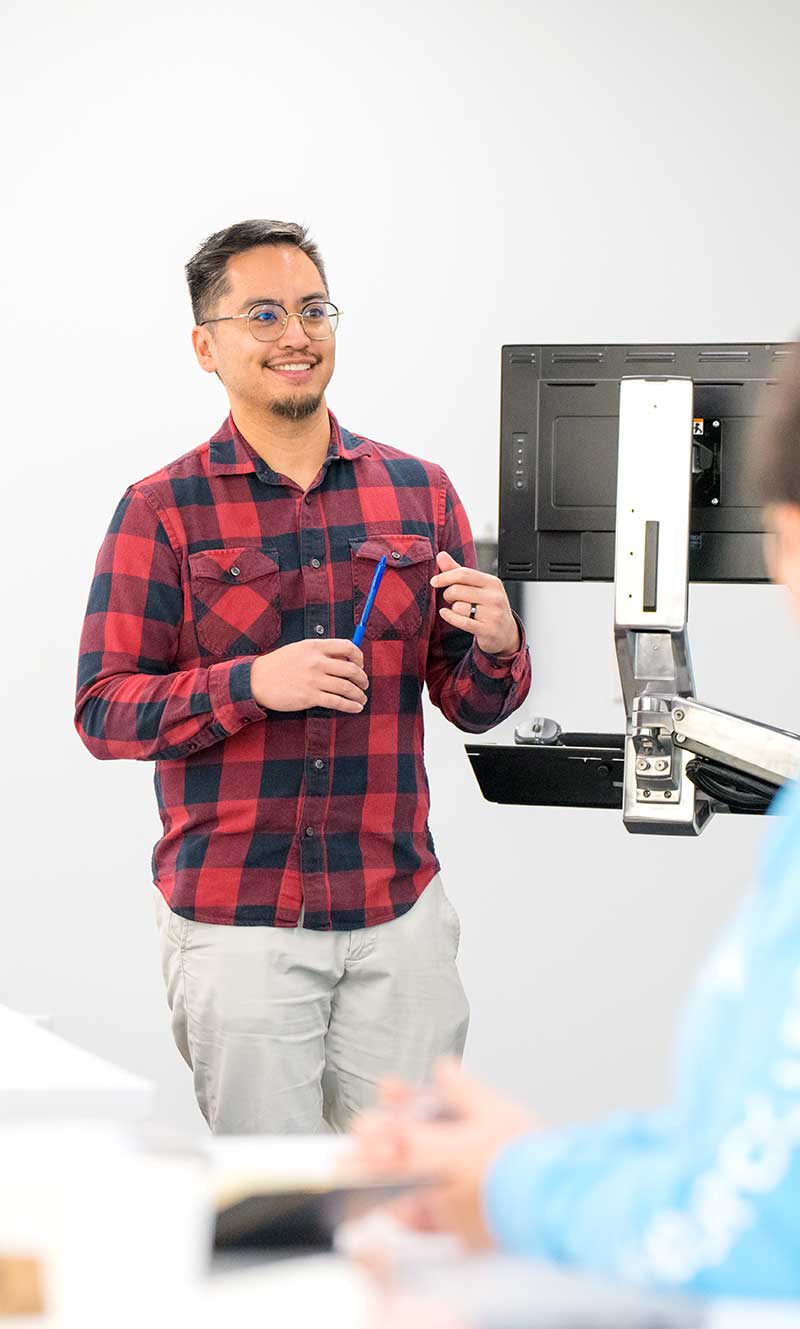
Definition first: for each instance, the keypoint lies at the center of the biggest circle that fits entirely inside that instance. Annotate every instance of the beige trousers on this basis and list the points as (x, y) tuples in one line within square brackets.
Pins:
[(288, 1030)]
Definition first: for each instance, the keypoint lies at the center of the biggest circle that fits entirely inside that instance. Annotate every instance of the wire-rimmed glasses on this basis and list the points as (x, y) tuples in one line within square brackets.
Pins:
[(267, 320)]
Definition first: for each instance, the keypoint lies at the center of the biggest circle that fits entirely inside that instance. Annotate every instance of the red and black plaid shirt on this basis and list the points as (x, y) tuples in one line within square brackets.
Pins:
[(216, 559)]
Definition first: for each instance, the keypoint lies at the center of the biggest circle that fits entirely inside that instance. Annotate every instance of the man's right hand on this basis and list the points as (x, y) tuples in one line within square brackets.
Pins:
[(311, 673)]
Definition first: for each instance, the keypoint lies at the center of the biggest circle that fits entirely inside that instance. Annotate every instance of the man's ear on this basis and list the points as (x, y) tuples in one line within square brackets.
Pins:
[(204, 349)]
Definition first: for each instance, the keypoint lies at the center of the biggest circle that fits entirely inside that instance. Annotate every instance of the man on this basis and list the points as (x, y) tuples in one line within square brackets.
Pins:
[(703, 1197), (307, 944)]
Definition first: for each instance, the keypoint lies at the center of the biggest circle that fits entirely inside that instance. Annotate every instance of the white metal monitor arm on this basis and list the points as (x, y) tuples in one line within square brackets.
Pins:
[(681, 757)]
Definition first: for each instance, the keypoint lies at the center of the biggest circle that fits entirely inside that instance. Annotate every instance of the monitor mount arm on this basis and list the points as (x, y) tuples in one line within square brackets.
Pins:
[(681, 757)]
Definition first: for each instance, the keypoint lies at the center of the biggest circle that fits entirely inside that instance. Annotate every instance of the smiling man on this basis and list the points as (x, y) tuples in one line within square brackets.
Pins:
[(308, 946)]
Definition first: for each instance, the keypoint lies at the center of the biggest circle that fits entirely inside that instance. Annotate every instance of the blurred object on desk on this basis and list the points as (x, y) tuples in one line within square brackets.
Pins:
[(497, 1291), (104, 1214), (44, 1076), (20, 1286), (289, 1192)]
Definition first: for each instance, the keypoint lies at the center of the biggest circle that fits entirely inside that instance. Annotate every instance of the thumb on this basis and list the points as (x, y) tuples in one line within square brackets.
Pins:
[(445, 562), (459, 1090)]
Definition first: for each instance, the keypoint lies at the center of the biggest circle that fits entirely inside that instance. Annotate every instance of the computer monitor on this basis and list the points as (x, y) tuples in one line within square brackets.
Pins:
[(558, 456)]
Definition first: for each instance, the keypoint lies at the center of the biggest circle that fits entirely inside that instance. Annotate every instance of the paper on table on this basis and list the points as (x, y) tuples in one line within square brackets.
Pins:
[(244, 1164)]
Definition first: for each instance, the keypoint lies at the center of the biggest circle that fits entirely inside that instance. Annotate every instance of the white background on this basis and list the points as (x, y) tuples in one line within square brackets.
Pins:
[(474, 174)]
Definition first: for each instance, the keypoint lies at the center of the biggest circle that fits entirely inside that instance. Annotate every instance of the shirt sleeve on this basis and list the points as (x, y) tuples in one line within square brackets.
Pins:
[(131, 700), (700, 1199), (474, 690)]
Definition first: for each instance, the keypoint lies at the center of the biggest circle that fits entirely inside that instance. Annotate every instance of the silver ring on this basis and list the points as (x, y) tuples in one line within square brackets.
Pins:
[(473, 609)]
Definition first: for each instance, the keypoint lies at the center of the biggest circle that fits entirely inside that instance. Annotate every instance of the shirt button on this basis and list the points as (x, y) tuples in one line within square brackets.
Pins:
[(307, 498), (319, 629), (235, 571), (315, 563), (309, 830), (395, 554), (319, 764)]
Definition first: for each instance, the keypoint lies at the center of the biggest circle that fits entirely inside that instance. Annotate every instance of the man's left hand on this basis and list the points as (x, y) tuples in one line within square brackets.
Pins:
[(477, 602)]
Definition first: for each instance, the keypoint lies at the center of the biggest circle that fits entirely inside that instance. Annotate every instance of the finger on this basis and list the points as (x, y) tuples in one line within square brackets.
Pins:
[(418, 1211), (332, 702), (469, 577), (462, 621), (377, 1149), (342, 687), (424, 1149), (445, 561), (479, 595), (458, 1089), (342, 649), (392, 1091), (462, 608), (394, 1142), (347, 669)]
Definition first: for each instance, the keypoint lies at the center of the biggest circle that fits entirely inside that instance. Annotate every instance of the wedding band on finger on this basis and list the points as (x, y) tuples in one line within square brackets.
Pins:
[(473, 609)]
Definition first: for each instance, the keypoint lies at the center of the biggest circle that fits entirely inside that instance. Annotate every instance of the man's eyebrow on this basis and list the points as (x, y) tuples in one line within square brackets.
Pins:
[(273, 300)]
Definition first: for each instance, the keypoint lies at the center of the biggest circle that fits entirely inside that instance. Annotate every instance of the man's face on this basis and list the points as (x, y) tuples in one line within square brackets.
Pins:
[(256, 373)]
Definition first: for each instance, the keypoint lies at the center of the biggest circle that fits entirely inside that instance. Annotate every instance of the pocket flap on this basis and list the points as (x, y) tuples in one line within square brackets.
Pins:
[(235, 566), (401, 550)]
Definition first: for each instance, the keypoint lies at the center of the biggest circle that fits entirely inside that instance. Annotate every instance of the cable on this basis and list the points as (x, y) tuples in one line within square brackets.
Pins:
[(738, 791)]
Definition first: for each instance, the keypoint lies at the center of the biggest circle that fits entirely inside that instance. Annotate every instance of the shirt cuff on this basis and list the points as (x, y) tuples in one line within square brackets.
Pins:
[(514, 1208), (501, 666), (231, 695)]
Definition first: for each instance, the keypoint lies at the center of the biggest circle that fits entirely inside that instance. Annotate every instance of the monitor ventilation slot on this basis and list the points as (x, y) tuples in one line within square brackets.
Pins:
[(520, 567), (522, 358), (564, 569), (650, 357), (577, 357), (724, 357)]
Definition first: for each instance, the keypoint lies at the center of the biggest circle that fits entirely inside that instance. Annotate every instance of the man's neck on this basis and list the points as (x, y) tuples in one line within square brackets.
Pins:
[(294, 448)]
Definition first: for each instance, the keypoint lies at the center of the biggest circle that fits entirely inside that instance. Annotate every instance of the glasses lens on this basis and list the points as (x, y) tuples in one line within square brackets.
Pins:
[(320, 319), (266, 322)]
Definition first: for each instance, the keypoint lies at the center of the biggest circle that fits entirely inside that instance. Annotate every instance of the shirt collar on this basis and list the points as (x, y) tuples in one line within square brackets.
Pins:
[(229, 453)]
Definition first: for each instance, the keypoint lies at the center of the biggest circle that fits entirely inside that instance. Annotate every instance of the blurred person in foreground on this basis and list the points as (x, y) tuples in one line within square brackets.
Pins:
[(703, 1196)]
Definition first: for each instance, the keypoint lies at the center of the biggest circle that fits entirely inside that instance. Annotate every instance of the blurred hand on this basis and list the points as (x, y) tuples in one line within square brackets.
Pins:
[(493, 625), (311, 673), (457, 1151)]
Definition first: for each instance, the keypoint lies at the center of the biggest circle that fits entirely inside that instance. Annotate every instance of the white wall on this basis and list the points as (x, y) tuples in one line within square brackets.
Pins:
[(475, 175)]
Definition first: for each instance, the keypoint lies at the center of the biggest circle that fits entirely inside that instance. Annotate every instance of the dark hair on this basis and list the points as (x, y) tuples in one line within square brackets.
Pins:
[(776, 450), (206, 270)]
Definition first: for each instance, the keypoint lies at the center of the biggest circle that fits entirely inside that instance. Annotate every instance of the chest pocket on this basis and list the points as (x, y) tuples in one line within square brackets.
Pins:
[(236, 598), (404, 594)]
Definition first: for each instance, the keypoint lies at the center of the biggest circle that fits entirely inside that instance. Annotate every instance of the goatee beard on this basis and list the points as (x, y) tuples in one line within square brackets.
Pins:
[(295, 407)]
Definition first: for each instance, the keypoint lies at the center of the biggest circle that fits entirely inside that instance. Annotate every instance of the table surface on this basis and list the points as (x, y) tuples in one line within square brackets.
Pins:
[(44, 1075)]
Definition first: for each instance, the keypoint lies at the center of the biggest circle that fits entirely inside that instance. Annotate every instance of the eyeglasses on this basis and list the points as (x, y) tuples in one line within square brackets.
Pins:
[(267, 321)]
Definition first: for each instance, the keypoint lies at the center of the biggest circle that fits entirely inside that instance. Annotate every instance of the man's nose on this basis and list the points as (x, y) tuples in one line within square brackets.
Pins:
[(294, 334)]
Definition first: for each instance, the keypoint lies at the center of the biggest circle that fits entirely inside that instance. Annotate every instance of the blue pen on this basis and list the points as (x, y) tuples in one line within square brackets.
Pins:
[(369, 602)]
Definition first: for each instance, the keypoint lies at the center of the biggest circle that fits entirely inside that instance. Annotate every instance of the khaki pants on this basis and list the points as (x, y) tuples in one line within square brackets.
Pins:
[(289, 1030)]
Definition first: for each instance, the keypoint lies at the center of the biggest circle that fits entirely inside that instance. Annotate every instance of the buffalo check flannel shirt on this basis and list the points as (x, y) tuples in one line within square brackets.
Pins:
[(216, 559)]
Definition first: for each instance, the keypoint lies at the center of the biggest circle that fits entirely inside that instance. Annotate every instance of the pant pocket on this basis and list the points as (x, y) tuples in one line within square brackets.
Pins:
[(450, 927)]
